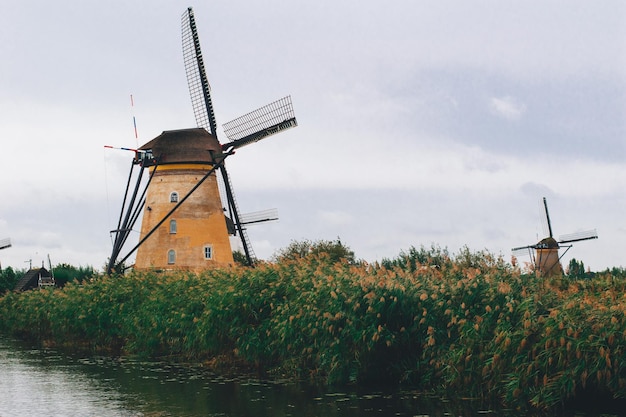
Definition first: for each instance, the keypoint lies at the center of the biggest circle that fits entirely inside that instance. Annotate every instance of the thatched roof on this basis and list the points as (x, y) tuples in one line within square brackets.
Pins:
[(548, 243), (31, 279), (183, 146)]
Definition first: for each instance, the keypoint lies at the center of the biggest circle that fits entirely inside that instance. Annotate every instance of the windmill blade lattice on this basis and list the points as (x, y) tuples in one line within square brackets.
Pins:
[(522, 250), (259, 216), (578, 236), (260, 123), (199, 87), (200, 92)]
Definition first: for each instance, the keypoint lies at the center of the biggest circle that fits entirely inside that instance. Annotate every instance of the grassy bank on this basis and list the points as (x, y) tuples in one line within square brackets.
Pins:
[(469, 323)]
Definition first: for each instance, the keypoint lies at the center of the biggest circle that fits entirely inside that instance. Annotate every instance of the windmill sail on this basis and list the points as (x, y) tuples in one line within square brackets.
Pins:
[(260, 123), (234, 212), (199, 87), (522, 250), (546, 220), (259, 216), (578, 236), (200, 92)]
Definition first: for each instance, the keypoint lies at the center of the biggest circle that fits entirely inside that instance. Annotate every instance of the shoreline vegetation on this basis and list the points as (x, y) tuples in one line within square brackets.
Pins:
[(468, 323)]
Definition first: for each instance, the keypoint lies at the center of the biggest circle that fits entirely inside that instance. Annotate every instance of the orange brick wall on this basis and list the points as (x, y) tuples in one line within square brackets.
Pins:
[(200, 221), (548, 263)]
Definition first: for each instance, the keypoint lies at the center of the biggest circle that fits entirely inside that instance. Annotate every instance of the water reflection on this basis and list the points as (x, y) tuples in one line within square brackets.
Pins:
[(36, 385), (43, 382), (40, 382)]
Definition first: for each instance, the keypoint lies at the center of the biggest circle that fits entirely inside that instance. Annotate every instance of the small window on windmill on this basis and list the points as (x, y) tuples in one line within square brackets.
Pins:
[(173, 197), (173, 227), (171, 256), (208, 252)]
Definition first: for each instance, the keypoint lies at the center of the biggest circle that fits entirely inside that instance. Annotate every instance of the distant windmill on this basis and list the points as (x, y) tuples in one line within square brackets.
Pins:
[(5, 243), (183, 166), (545, 253)]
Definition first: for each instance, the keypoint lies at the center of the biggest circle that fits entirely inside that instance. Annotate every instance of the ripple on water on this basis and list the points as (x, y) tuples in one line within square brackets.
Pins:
[(44, 382)]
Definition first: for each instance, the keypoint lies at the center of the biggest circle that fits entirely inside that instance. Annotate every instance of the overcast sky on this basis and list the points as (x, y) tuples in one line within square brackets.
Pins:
[(420, 122)]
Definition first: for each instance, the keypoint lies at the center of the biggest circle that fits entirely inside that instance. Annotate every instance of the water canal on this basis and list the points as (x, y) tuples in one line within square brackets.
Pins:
[(47, 382)]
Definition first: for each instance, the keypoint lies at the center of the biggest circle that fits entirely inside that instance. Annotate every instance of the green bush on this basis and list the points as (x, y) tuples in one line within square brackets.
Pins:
[(335, 251), (467, 322), (8, 279), (65, 273)]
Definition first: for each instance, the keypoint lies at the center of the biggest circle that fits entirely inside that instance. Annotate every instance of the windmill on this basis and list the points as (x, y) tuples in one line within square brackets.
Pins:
[(545, 253), (4, 244), (183, 167)]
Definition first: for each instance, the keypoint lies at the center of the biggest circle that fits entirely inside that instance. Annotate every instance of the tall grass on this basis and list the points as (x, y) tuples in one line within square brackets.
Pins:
[(469, 323)]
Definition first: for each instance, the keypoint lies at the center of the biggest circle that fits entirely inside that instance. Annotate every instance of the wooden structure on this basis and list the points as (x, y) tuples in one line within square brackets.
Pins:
[(35, 278)]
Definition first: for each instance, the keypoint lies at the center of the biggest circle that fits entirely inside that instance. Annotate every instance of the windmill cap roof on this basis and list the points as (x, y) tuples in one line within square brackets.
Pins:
[(183, 146), (549, 243)]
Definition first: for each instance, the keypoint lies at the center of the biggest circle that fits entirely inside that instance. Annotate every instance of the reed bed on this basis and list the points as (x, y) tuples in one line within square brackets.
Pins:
[(471, 323)]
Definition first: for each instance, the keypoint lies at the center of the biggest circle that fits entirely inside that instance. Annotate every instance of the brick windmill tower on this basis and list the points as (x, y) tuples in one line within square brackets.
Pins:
[(187, 220), (195, 236)]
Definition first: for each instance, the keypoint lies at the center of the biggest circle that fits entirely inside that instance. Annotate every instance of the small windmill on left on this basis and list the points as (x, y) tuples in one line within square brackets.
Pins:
[(186, 225), (4, 243)]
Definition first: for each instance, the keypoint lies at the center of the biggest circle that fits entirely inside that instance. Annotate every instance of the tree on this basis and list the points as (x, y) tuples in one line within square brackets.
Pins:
[(63, 273), (616, 271), (411, 260), (576, 269), (240, 258), (8, 279), (334, 249)]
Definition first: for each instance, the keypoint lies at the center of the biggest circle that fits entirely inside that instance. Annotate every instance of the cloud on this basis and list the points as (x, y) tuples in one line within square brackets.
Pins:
[(534, 189), (335, 217), (414, 132), (507, 108)]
